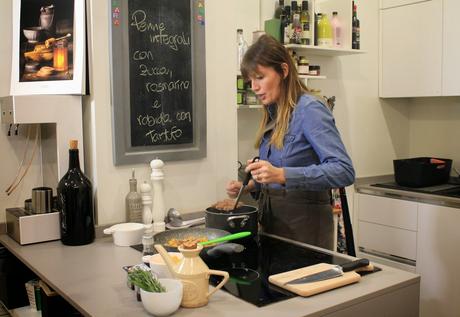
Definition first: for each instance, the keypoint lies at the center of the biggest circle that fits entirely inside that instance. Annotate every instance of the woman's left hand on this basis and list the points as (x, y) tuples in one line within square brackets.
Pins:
[(264, 172)]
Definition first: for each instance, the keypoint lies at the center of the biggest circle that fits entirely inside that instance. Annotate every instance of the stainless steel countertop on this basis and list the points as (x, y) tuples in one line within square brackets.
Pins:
[(364, 186)]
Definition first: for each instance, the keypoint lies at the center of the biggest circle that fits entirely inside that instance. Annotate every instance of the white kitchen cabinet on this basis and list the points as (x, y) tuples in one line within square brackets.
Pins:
[(411, 45), (438, 260), (387, 227), (384, 226), (451, 49)]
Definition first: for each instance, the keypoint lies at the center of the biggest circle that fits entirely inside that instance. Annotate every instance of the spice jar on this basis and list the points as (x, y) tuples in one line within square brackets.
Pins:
[(303, 66), (314, 70)]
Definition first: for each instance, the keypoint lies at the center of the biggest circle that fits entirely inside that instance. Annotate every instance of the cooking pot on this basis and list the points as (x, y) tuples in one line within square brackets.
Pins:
[(127, 234), (243, 218)]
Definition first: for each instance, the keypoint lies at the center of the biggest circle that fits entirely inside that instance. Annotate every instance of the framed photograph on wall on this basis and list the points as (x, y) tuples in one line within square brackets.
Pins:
[(49, 50)]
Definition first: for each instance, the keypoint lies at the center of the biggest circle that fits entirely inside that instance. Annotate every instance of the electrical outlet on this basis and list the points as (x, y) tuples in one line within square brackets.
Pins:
[(6, 110)]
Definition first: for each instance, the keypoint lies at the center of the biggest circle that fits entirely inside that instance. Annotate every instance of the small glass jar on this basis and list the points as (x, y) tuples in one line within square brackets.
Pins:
[(314, 70), (147, 245), (303, 67)]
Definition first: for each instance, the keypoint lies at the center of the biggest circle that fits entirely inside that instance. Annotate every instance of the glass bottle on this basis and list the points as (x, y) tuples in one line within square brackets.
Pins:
[(75, 196), (147, 244), (279, 9), (133, 201), (242, 47), (286, 25), (296, 26), (305, 22), (355, 36), (336, 30), (324, 31)]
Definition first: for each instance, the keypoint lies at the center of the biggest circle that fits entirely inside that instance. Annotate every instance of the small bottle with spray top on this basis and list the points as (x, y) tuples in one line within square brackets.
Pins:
[(133, 202)]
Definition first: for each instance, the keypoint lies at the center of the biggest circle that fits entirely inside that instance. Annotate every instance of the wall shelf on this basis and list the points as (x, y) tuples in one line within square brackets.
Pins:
[(249, 106), (312, 77), (323, 51)]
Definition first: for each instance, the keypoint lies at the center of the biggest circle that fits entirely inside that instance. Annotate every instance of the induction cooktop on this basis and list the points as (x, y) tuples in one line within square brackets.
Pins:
[(250, 269)]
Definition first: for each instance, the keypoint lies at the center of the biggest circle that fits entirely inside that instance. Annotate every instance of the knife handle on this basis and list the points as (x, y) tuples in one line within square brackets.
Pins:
[(353, 265)]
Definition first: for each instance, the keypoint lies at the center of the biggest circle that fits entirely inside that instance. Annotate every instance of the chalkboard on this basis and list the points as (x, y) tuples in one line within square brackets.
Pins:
[(158, 80)]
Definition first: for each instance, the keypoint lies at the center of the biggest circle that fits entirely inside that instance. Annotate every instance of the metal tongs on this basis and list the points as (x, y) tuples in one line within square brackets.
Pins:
[(245, 183)]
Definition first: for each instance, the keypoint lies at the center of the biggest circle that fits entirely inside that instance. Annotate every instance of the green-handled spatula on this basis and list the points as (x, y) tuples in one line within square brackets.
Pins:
[(234, 236)]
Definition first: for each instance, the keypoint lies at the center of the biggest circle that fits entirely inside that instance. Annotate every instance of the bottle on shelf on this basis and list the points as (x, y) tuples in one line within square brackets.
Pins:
[(75, 198), (355, 34), (317, 19), (336, 30), (133, 201), (286, 26), (279, 9), (306, 23), (296, 25), (324, 31), (242, 47)]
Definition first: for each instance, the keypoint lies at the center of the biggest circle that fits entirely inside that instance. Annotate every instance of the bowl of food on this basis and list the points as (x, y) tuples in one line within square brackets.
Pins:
[(32, 33), (165, 302), (171, 239)]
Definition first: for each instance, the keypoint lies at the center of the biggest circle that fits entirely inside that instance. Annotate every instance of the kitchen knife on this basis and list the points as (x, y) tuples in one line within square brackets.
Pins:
[(335, 271)]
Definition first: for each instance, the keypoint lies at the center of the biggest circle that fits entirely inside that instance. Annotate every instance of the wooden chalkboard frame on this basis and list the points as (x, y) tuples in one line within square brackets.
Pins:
[(123, 151)]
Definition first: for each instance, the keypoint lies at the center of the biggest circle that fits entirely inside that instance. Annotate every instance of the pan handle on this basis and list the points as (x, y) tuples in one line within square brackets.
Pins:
[(225, 276), (231, 220)]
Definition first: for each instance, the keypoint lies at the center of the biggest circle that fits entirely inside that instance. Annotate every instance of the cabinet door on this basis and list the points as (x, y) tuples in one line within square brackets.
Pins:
[(438, 260), (451, 49), (411, 50)]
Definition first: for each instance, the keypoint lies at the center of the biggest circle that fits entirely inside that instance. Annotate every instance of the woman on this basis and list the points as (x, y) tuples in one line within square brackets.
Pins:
[(301, 154)]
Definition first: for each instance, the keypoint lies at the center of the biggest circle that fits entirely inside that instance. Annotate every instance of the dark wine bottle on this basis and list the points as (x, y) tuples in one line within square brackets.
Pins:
[(355, 34), (75, 195)]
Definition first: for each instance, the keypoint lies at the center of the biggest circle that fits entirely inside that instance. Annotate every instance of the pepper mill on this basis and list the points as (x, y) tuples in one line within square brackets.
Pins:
[(158, 210), (146, 203)]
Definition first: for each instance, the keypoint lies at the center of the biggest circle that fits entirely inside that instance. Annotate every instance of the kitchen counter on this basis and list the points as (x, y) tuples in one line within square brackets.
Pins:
[(91, 278), (364, 186)]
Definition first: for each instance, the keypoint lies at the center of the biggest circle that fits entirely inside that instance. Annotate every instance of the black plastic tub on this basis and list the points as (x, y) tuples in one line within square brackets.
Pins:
[(422, 171)]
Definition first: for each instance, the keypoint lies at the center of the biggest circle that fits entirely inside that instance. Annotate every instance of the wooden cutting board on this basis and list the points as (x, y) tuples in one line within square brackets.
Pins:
[(309, 289)]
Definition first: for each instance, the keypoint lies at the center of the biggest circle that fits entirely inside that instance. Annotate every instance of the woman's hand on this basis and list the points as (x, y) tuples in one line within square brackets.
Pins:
[(233, 188), (264, 172)]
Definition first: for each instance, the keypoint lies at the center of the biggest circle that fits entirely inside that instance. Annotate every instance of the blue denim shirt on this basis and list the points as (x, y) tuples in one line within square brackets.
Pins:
[(313, 156)]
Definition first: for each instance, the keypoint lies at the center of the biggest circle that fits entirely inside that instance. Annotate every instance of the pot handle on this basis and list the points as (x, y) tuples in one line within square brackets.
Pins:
[(108, 230), (218, 286), (243, 221)]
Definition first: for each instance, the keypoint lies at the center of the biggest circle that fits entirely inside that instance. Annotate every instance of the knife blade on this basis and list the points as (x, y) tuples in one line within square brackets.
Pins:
[(335, 271)]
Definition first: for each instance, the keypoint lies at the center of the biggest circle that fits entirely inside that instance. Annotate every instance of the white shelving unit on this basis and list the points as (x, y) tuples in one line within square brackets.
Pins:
[(323, 51), (249, 106), (310, 77)]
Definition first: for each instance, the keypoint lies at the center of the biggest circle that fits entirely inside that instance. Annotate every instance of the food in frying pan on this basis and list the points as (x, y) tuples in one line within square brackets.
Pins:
[(187, 243), (226, 205)]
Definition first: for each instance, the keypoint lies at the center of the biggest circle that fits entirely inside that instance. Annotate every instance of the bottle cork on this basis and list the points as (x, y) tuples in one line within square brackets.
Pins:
[(73, 144)]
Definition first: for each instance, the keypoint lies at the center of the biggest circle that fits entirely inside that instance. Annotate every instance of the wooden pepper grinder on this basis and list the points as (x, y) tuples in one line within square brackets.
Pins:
[(158, 210), (146, 192)]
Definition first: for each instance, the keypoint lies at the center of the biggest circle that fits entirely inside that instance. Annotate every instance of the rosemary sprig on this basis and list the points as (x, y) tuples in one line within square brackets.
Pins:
[(145, 280)]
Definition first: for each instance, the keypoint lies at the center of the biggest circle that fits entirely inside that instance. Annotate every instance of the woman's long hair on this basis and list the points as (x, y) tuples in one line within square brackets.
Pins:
[(268, 52)]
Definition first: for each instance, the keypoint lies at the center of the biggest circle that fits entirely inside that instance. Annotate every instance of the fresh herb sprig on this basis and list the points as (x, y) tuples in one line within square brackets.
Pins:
[(145, 280)]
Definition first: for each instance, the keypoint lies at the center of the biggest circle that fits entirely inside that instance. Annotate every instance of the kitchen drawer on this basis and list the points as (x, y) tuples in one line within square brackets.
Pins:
[(388, 211), (385, 4), (393, 241)]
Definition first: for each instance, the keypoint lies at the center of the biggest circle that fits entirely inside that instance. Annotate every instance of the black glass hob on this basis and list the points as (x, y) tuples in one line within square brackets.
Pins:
[(249, 270)]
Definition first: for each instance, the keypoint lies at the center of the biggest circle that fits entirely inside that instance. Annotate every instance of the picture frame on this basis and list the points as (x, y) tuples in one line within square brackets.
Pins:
[(49, 47)]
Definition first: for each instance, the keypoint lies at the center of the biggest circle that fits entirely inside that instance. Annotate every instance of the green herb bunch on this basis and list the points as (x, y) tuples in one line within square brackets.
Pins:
[(146, 281)]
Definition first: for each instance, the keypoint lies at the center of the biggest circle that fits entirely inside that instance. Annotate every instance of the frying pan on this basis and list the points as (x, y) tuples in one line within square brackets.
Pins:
[(209, 233)]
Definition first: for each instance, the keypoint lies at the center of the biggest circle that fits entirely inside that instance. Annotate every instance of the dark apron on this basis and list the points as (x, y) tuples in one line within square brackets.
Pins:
[(304, 216)]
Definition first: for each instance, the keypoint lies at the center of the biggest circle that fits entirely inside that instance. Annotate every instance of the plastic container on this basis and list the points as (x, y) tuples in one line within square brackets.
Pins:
[(422, 171)]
